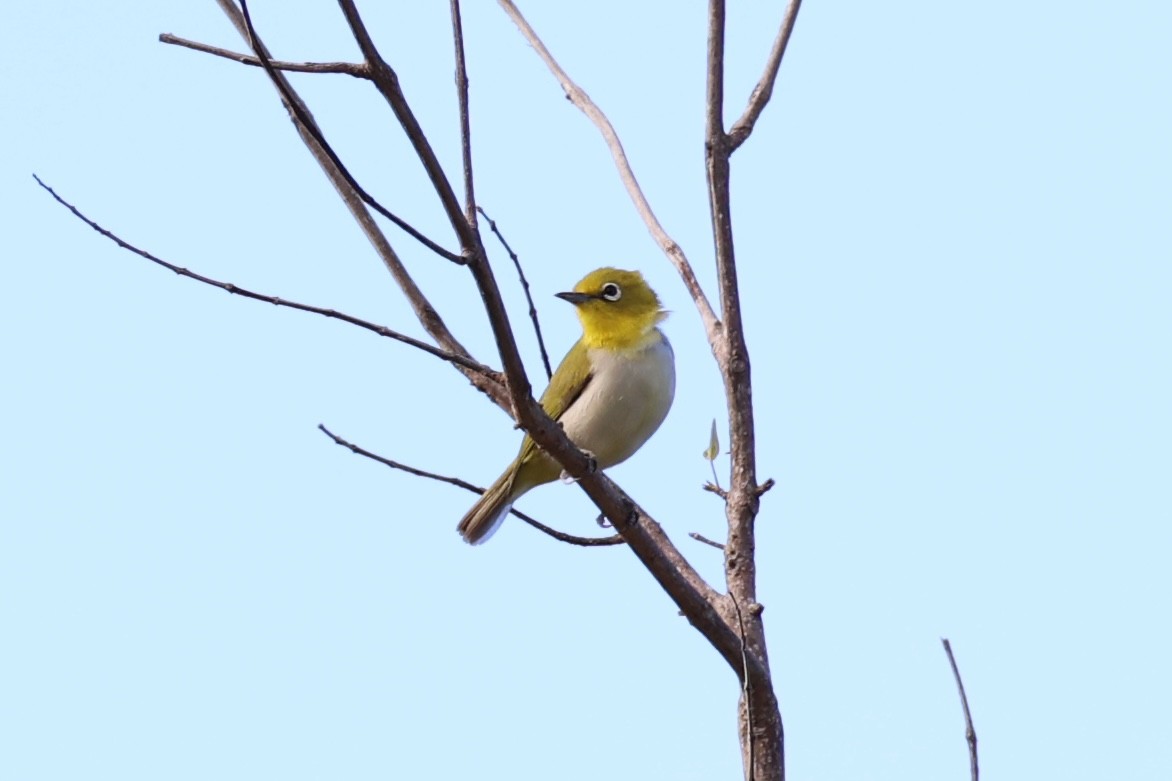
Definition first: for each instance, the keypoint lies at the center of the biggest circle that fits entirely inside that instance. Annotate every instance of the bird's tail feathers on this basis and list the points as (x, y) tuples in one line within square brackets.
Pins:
[(489, 511)]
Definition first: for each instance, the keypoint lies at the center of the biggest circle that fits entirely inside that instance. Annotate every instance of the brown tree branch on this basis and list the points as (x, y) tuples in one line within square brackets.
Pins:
[(349, 68), (698, 537), (762, 731), (465, 123), (524, 287), (472, 249), (704, 608), (970, 734), (305, 120), (586, 542), (344, 184), (644, 536), (764, 90), (387, 82), (381, 330), (579, 98)]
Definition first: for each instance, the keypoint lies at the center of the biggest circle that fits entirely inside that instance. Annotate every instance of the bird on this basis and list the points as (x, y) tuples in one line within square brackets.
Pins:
[(610, 393)]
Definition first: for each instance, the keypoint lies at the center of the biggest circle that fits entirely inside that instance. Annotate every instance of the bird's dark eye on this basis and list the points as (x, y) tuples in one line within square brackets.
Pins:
[(612, 292)]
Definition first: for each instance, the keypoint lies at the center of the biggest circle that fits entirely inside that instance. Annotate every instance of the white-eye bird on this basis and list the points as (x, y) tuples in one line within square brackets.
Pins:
[(610, 392)]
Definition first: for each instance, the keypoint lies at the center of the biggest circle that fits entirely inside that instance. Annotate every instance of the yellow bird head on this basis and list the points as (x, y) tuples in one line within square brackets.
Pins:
[(617, 308)]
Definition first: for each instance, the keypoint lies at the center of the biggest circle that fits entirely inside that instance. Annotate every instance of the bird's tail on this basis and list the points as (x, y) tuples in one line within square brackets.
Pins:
[(488, 512)]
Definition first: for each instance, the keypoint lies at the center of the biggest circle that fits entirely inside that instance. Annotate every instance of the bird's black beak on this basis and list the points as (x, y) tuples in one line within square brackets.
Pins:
[(574, 298)]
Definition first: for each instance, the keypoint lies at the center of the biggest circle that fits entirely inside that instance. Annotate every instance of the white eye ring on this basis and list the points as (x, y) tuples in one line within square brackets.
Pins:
[(611, 291)]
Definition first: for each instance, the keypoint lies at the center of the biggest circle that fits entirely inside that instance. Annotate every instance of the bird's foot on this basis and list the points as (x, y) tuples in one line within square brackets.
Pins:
[(591, 468)]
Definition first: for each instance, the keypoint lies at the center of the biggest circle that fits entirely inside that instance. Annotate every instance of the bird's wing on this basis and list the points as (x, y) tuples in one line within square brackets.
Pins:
[(565, 387), (567, 383)]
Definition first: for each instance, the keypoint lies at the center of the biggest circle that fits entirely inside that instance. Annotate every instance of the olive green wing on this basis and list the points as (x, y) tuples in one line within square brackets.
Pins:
[(571, 378)]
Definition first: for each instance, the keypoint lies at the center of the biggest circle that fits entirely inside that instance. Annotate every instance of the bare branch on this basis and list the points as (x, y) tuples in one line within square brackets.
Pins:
[(698, 537), (970, 734), (525, 287), (733, 355), (586, 542), (713, 488), (580, 99), (381, 330), (301, 114), (746, 691), (344, 184), (387, 82), (701, 604), (465, 123), (524, 409), (764, 90), (762, 732), (349, 68)]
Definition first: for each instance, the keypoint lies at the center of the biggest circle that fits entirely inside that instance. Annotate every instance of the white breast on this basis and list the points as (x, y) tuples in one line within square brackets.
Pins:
[(624, 403)]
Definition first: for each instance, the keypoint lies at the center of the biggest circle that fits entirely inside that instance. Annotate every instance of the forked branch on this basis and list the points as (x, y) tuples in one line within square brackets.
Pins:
[(743, 127), (352, 196)]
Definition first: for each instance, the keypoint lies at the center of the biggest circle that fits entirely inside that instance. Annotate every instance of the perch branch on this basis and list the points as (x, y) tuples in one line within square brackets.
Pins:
[(700, 603), (586, 542)]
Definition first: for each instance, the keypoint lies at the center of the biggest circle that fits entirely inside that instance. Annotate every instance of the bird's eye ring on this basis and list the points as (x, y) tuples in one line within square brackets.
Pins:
[(611, 291)]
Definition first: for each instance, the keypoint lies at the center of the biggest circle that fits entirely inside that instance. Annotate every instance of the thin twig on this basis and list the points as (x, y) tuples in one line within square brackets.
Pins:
[(525, 410), (424, 312), (645, 537), (311, 127), (587, 542), (746, 689), (970, 734), (580, 99), (698, 537), (465, 122), (713, 488), (381, 330), (765, 487), (764, 90), (384, 78), (525, 287), (355, 69)]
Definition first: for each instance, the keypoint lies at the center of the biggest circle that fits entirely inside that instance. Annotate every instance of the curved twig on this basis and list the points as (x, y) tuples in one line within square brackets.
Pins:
[(585, 542), (580, 99), (425, 313), (764, 90), (334, 314), (525, 287), (311, 127), (970, 734)]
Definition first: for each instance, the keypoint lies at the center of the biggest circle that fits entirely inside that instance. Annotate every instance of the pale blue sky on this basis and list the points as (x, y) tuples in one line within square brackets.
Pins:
[(953, 226)]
